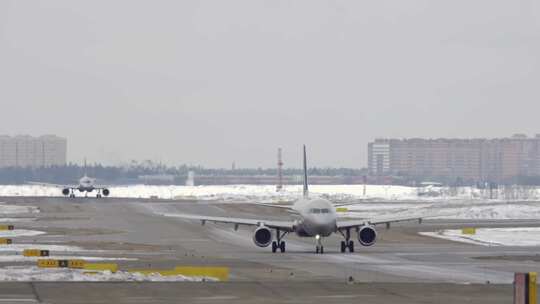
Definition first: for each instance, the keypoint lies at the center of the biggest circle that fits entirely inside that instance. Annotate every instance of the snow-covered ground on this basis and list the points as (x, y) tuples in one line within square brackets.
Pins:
[(56, 248), (14, 209), (21, 258), (268, 193), (19, 232), (452, 209), (523, 236), (228, 192), (16, 219), (24, 273)]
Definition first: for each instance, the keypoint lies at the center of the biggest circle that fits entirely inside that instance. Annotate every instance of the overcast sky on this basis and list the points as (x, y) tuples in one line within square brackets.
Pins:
[(212, 82)]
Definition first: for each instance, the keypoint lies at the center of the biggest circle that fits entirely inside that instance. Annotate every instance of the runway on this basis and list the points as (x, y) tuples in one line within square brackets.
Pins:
[(402, 265)]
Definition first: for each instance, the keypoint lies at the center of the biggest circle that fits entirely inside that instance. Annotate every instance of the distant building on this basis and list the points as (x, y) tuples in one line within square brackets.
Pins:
[(496, 160), (34, 152)]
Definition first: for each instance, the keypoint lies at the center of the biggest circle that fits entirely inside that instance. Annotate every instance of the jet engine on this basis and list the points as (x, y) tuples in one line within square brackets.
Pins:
[(367, 235), (65, 191), (106, 192), (262, 237)]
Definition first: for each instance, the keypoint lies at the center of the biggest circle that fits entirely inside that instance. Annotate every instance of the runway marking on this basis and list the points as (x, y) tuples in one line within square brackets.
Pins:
[(344, 296), (18, 300), (217, 298)]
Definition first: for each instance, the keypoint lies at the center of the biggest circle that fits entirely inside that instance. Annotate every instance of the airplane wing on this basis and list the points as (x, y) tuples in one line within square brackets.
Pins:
[(282, 225), (377, 221), (52, 185), (287, 208)]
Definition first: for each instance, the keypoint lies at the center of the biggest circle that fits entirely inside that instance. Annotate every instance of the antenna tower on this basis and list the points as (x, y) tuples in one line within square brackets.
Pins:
[(279, 186)]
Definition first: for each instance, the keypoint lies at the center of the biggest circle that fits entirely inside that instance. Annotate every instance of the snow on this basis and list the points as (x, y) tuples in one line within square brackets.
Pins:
[(21, 258), (19, 232), (21, 273), (16, 219), (55, 248), (290, 192), (13, 209), (229, 192), (450, 209), (523, 236), (380, 200)]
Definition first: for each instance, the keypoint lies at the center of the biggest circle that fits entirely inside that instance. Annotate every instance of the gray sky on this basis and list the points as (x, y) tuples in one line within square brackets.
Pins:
[(209, 82)]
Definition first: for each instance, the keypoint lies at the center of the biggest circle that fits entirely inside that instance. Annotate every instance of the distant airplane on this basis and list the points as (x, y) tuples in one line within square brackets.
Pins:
[(314, 218), (86, 185)]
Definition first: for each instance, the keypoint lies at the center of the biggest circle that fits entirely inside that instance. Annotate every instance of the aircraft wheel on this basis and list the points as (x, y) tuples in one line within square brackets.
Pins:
[(98, 196), (343, 247), (282, 247), (274, 246), (351, 246), (317, 249), (322, 249)]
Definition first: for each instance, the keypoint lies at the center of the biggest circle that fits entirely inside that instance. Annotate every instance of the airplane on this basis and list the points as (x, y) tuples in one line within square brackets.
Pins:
[(86, 184), (315, 217)]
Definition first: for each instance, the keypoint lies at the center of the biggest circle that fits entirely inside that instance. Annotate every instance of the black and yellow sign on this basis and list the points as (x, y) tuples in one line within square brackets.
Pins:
[(5, 241), (78, 264), (48, 263), (36, 253)]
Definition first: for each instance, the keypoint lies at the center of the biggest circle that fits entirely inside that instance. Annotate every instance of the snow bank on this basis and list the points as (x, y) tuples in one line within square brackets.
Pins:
[(54, 248), (21, 258), (13, 209), (19, 232), (21, 273), (525, 236), (268, 193), (16, 219), (451, 209), (229, 192)]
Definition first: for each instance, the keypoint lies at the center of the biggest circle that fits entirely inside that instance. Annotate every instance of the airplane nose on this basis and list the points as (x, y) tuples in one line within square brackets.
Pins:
[(323, 219), (324, 225)]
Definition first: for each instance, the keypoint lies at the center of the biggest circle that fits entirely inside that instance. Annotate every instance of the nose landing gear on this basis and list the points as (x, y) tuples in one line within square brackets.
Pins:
[(319, 248)]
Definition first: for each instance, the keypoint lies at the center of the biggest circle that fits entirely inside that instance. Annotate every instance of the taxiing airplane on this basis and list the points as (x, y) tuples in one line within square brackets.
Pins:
[(314, 218), (87, 185)]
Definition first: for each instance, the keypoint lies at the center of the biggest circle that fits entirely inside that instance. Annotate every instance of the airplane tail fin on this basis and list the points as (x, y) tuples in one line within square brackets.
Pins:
[(85, 168), (306, 192)]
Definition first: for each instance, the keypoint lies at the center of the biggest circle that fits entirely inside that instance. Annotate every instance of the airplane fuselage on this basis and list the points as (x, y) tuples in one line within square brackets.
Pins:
[(86, 184), (317, 217)]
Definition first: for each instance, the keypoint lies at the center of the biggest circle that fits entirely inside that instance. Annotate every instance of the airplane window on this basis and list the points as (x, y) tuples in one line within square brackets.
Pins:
[(325, 210), (315, 210)]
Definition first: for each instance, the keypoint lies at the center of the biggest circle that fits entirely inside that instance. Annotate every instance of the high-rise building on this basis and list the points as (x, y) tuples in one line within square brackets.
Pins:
[(34, 152), (497, 160)]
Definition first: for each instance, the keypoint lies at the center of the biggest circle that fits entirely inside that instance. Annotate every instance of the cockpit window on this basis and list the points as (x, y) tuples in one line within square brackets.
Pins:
[(319, 211)]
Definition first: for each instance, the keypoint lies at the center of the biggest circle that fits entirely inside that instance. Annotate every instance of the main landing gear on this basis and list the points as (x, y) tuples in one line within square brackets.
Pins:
[(279, 244), (319, 248), (347, 243)]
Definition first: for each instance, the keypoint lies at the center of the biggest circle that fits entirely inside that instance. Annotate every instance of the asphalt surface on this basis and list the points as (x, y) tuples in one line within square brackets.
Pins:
[(403, 266)]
